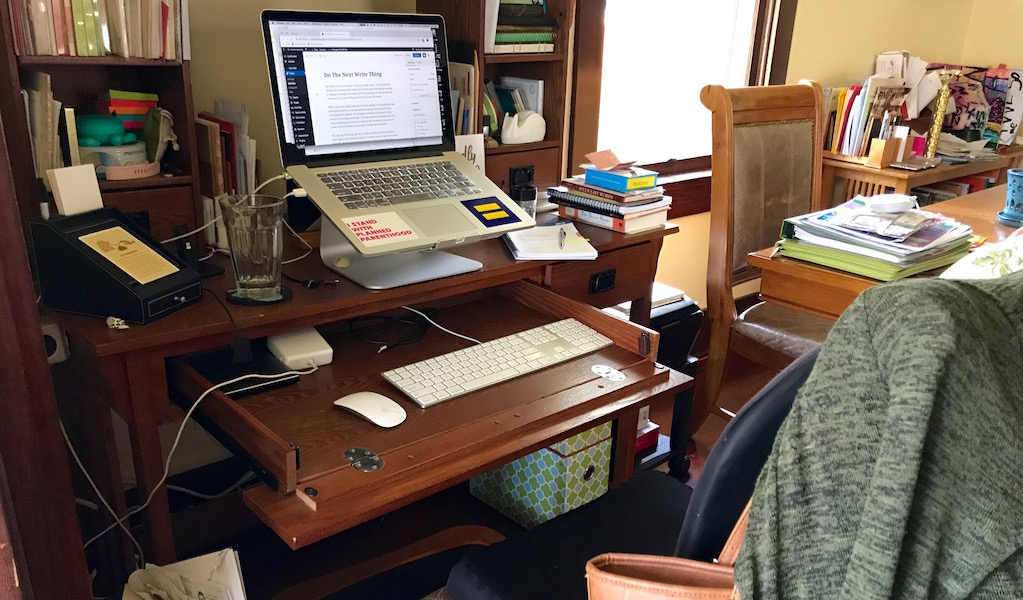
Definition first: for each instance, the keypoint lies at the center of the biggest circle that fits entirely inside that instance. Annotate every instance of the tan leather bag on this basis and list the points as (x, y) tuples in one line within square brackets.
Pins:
[(615, 576)]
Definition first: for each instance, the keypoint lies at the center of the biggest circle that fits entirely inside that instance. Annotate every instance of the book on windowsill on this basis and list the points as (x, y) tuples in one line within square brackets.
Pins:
[(578, 186), (620, 180), (549, 242), (623, 224), (562, 196)]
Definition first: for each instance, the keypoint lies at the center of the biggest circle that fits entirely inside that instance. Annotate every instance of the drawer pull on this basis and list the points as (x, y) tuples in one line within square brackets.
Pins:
[(602, 282)]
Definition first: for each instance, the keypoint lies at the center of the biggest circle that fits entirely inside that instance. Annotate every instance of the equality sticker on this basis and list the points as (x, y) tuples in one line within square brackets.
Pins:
[(490, 211), (380, 228)]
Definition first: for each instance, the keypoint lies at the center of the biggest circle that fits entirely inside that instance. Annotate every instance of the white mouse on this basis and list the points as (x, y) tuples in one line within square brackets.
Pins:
[(375, 408)]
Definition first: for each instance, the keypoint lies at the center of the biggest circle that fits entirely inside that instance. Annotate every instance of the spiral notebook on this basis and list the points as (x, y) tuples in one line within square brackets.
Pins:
[(560, 241)]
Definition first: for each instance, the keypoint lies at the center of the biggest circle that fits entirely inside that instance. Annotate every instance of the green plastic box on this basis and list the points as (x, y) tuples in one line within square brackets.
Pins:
[(550, 481)]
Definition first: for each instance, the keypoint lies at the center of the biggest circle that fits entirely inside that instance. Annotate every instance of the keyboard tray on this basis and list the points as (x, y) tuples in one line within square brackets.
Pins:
[(423, 454)]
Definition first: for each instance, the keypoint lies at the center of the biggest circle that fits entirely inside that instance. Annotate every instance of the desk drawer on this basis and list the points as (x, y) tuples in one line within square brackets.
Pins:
[(613, 278)]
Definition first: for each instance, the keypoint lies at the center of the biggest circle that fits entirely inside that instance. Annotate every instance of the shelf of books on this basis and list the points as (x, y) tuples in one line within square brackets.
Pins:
[(508, 59), (80, 86)]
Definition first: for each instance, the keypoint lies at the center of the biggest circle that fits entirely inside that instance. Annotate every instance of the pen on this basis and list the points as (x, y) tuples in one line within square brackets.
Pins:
[(561, 238)]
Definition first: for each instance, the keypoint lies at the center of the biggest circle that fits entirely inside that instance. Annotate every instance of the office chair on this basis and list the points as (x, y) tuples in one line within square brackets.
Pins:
[(766, 166), (652, 513), (897, 472)]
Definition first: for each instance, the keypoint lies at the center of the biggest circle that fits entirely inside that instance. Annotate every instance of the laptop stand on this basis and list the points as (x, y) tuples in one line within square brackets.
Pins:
[(387, 271)]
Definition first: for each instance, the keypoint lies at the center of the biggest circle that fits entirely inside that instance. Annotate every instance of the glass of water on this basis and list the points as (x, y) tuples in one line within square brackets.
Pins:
[(254, 226)]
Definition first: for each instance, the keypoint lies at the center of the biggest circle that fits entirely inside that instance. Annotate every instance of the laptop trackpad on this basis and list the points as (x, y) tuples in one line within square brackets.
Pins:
[(439, 220)]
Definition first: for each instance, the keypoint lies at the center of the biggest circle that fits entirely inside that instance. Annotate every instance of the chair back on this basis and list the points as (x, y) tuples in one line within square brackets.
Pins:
[(730, 474), (765, 167)]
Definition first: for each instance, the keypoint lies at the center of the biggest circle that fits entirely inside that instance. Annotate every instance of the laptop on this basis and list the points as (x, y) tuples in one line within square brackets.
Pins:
[(365, 127)]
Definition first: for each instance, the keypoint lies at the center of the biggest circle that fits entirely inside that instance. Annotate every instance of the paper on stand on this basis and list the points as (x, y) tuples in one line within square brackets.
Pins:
[(214, 576)]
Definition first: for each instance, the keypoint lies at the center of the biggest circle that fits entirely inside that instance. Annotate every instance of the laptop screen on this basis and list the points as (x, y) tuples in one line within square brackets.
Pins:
[(353, 87)]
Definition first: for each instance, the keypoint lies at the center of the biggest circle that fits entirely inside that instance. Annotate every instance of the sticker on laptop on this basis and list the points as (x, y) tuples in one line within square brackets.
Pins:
[(380, 228), (490, 211)]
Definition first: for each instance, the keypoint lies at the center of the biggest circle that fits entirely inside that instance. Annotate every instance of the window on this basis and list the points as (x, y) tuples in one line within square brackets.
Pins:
[(639, 67), (657, 56)]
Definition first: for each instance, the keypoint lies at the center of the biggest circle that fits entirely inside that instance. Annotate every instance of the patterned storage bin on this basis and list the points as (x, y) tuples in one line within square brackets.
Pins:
[(550, 481)]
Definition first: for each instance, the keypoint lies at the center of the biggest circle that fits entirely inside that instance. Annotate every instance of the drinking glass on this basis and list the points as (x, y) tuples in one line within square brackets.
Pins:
[(254, 226)]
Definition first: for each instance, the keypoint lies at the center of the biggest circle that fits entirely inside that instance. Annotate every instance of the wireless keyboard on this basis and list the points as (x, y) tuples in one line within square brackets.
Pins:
[(450, 375)]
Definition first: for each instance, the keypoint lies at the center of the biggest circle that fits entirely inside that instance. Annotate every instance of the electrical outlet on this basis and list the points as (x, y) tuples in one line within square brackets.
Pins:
[(520, 176), (55, 341), (644, 418)]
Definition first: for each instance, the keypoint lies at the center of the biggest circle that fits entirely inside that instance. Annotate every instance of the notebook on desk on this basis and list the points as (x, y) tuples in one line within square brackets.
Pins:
[(364, 125)]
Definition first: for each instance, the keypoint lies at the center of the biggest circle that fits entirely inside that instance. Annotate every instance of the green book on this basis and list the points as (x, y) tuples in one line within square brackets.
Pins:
[(523, 36), (123, 95), (869, 267)]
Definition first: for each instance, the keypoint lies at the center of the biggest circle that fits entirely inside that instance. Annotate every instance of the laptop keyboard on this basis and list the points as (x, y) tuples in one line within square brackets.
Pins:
[(381, 186)]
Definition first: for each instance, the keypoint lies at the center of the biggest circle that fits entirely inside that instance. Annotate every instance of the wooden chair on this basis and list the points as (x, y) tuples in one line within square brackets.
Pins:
[(766, 166)]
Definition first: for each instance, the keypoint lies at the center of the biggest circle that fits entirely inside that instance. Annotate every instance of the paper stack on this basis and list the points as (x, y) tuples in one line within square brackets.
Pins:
[(883, 246)]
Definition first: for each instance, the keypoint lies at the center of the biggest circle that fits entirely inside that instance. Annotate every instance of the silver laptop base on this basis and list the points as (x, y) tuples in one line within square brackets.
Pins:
[(387, 271)]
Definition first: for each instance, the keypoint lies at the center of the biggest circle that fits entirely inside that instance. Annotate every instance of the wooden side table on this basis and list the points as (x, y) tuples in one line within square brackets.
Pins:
[(868, 181)]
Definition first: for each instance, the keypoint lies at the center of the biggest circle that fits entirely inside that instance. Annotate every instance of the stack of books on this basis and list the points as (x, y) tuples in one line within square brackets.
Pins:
[(883, 246), (130, 107), (626, 201), (130, 28), (523, 26)]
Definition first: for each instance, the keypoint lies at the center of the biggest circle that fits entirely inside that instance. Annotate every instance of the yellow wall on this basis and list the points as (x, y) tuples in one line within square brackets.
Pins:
[(835, 43), (228, 60), (991, 37)]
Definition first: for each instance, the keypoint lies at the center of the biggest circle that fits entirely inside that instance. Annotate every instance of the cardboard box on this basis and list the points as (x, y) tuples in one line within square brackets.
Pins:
[(550, 481)]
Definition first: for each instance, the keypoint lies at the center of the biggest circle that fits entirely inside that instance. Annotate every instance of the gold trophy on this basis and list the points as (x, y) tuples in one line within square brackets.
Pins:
[(945, 75)]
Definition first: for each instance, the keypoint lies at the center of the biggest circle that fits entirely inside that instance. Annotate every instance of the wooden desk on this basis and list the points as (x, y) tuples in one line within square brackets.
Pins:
[(868, 181), (126, 370), (828, 292)]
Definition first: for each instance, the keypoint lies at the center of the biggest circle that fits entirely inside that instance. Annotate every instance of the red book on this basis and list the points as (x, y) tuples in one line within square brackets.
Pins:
[(647, 437), (230, 154), (120, 103), (578, 184), (17, 24)]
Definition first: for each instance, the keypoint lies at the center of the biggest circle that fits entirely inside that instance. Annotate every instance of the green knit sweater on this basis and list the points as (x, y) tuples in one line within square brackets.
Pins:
[(899, 471)]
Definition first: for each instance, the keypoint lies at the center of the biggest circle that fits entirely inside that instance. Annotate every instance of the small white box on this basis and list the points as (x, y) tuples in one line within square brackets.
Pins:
[(301, 349)]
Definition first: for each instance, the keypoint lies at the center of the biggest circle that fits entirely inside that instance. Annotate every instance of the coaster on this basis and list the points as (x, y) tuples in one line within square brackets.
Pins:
[(1005, 219), (233, 298)]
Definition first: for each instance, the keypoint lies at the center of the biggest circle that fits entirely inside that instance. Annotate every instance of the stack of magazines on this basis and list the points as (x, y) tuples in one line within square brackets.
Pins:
[(883, 246)]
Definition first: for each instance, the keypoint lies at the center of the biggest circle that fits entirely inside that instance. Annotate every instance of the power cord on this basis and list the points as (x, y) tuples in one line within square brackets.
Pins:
[(194, 231), (296, 193), (119, 521), (441, 327), (358, 324)]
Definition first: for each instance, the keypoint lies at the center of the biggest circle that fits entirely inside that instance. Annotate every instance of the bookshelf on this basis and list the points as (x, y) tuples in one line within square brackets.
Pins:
[(465, 21), (171, 198)]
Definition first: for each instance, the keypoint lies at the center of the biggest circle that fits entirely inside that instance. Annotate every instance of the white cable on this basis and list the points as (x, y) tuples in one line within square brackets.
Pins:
[(268, 181), (244, 478), (184, 235), (177, 438), (441, 327), (95, 488), (298, 193), (86, 504)]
